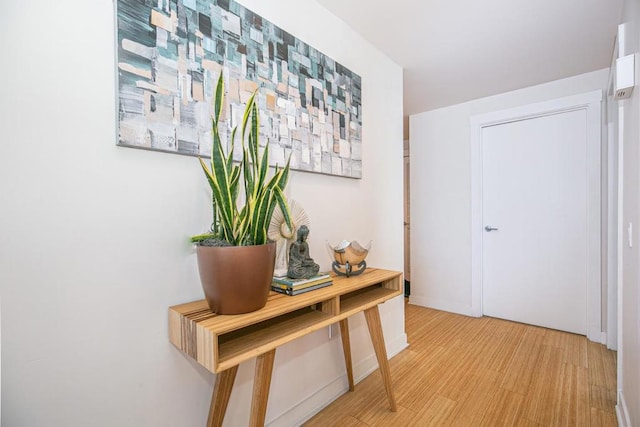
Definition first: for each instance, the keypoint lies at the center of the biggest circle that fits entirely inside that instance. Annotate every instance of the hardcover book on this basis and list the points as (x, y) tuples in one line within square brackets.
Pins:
[(306, 285), (295, 291), (294, 283)]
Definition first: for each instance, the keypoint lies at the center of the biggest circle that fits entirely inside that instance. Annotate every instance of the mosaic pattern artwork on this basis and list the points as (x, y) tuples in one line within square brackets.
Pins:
[(170, 54)]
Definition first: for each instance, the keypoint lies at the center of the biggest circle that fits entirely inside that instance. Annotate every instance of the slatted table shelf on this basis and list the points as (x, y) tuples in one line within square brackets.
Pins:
[(221, 342)]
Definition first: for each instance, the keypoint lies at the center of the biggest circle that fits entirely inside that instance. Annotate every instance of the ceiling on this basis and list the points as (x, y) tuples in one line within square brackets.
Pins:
[(454, 51)]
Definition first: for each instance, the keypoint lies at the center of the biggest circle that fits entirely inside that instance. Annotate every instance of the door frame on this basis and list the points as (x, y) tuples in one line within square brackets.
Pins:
[(591, 102), (406, 171)]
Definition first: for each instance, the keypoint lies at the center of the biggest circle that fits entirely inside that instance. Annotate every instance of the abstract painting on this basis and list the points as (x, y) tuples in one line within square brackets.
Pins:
[(170, 54)]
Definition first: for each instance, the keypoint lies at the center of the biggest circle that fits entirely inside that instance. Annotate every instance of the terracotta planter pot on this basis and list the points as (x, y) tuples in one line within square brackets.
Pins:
[(236, 279)]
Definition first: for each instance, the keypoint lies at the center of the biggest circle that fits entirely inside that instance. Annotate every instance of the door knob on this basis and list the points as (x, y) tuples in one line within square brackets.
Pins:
[(490, 228)]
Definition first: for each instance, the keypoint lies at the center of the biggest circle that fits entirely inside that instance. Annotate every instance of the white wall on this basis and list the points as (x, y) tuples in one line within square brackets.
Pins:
[(94, 244), (441, 190), (629, 292)]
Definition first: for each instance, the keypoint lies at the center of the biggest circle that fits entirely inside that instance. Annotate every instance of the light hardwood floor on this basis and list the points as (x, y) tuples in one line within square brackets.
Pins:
[(463, 371)]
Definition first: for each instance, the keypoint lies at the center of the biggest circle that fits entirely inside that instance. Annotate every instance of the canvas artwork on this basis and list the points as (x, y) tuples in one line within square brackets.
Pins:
[(170, 54)]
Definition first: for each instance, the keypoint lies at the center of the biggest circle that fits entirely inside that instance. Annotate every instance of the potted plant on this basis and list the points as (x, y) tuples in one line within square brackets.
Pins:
[(235, 258)]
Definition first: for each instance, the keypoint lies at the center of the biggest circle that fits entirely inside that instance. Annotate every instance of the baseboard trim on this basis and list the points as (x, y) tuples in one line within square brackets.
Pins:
[(465, 310), (622, 413), (320, 399)]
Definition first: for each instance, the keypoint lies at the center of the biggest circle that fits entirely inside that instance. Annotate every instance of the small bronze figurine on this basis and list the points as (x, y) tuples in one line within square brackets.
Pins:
[(301, 265)]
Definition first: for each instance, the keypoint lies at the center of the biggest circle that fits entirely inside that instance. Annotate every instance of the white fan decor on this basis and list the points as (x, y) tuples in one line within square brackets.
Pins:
[(280, 233)]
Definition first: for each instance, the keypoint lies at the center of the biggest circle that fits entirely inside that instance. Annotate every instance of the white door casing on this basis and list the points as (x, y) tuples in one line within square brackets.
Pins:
[(407, 218), (590, 104)]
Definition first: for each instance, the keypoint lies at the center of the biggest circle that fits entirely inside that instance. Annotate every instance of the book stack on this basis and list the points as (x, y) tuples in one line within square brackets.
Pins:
[(288, 286)]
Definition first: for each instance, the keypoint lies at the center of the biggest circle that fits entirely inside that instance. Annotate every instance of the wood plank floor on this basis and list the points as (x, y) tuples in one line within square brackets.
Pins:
[(463, 371)]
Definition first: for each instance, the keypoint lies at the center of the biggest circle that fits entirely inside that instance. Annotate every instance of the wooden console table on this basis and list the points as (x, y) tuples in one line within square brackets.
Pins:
[(221, 342)]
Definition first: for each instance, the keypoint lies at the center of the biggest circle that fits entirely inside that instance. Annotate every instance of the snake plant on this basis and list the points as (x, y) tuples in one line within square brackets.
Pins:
[(247, 225)]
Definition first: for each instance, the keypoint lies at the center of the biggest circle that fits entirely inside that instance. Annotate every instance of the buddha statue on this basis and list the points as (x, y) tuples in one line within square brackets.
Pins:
[(301, 265)]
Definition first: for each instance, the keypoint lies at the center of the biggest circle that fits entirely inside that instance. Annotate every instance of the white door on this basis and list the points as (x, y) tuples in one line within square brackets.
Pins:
[(534, 192)]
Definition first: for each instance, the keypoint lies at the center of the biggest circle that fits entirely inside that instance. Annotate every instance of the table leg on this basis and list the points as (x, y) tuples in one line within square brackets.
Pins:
[(220, 397), (375, 330), (346, 349), (261, 384)]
